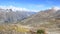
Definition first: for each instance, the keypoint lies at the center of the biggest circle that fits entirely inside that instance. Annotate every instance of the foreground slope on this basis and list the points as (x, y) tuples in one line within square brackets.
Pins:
[(14, 29)]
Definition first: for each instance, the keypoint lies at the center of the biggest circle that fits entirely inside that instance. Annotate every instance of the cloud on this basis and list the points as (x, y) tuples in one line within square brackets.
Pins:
[(16, 8), (13, 8), (56, 8)]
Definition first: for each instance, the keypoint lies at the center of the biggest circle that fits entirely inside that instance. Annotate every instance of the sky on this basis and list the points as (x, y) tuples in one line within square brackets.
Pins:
[(33, 5)]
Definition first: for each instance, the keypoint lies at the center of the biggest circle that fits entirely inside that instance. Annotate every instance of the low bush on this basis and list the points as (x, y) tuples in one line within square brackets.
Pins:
[(40, 31)]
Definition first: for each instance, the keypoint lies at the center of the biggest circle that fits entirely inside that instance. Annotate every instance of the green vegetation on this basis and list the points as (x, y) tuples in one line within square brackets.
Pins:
[(40, 31)]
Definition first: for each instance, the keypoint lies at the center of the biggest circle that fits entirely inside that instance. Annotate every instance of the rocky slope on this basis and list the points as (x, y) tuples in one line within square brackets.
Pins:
[(49, 19), (45, 15)]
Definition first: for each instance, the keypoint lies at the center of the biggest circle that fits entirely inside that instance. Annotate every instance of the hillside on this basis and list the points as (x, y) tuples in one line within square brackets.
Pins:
[(49, 19), (45, 15)]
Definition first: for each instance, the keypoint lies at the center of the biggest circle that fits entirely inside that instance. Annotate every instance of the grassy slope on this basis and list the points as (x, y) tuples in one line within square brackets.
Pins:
[(13, 28)]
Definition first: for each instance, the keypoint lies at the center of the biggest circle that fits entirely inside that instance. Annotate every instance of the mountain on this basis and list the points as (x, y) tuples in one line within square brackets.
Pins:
[(10, 16), (48, 19), (41, 16)]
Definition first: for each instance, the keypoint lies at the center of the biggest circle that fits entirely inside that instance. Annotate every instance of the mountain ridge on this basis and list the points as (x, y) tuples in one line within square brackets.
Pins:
[(44, 16), (8, 15)]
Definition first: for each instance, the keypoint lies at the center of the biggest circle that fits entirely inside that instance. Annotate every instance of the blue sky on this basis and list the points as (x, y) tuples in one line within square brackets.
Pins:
[(31, 4)]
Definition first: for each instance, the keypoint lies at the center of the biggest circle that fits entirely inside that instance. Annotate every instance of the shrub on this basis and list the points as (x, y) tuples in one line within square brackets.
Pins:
[(40, 31)]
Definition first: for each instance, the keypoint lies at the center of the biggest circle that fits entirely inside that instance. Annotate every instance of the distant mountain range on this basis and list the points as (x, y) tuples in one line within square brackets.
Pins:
[(10, 16)]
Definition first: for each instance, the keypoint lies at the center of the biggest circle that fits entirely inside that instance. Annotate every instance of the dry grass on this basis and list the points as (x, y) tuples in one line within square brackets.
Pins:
[(13, 28)]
